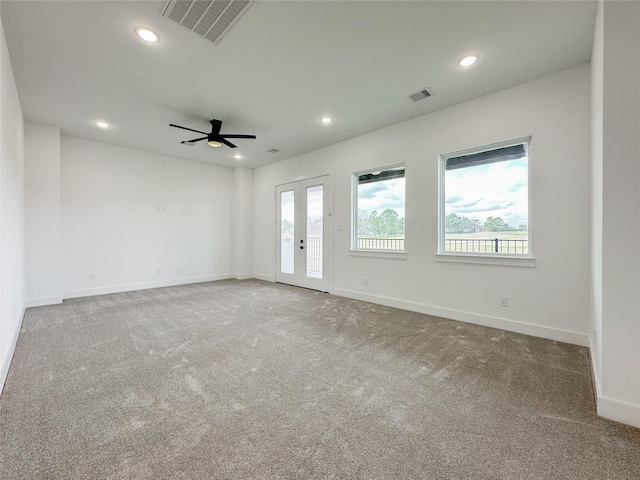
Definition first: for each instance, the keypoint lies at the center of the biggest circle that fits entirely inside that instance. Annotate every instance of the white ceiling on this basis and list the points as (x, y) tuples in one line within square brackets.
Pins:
[(279, 69)]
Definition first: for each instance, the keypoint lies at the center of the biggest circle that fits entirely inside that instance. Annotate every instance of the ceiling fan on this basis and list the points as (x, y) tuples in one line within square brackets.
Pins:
[(215, 138)]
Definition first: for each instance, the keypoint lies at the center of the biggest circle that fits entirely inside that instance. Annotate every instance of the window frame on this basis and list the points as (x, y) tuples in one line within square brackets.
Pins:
[(366, 252), (486, 258)]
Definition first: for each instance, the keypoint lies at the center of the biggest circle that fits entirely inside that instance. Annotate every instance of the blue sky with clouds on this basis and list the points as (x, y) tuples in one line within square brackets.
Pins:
[(494, 190), (381, 195)]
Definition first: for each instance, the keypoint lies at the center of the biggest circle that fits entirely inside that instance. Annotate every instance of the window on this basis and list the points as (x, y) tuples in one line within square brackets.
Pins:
[(484, 208), (378, 217)]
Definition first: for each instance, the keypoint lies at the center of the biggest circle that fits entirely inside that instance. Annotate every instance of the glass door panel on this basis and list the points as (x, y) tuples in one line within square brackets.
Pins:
[(287, 232), (315, 231), (302, 225)]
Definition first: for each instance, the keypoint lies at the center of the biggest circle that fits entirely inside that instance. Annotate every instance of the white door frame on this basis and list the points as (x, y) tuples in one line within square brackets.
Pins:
[(300, 267)]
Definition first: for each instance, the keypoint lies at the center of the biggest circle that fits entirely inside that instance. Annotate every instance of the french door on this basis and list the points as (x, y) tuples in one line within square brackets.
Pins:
[(303, 233)]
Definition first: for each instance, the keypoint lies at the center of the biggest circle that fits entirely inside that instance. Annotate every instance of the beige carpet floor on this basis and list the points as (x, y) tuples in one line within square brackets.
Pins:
[(255, 380)]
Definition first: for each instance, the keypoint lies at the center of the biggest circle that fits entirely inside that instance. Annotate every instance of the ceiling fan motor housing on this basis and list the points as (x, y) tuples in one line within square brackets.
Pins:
[(214, 140)]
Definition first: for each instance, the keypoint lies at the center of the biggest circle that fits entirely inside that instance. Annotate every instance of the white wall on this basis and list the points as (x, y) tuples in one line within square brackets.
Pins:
[(597, 131), (12, 269), (127, 214), (550, 300), (616, 198), (242, 223), (42, 214)]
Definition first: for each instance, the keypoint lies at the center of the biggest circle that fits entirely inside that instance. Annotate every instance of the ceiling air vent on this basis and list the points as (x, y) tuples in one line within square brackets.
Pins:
[(273, 150), (210, 19), (420, 94)]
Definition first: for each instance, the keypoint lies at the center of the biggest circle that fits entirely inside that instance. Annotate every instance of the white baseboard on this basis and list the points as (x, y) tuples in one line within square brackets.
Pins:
[(142, 286), (618, 411), (42, 301), (594, 368), (549, 333), (266, 278), (609, 408), (8, 356), (242, 276)]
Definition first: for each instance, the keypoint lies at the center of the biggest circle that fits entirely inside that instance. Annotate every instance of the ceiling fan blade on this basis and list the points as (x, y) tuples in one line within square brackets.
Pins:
[(228, 144), (195, 140), (224, 135), (185, 128), (215, 127)]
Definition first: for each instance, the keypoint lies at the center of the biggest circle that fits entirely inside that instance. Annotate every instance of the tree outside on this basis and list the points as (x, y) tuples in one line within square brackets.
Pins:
[(460, 224), (389, 223)]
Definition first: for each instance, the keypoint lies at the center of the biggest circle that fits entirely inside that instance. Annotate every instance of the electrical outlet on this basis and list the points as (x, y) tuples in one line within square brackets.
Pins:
[(157, 271), (503, 300), (92, 277), (365, 281)]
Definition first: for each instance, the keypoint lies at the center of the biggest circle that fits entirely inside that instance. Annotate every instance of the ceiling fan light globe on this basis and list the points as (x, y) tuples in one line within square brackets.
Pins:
[(214, 143)]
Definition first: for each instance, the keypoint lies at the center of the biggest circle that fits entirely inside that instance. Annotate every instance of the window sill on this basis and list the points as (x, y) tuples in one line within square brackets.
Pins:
[(505, 261), (397, 254)]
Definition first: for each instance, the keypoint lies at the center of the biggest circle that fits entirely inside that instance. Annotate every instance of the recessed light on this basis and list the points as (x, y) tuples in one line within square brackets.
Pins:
[(468, 60), (147, 34), (102, 124), (326, 120), (237, 156)]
